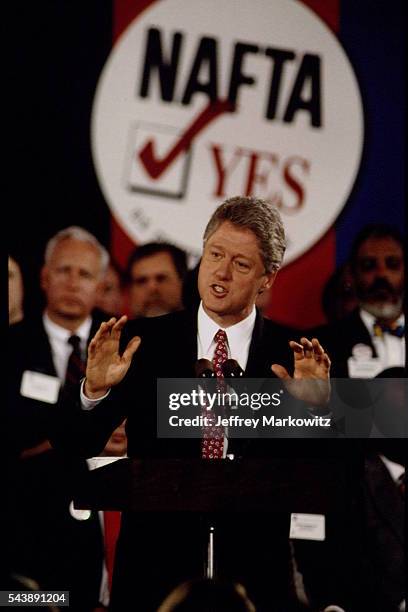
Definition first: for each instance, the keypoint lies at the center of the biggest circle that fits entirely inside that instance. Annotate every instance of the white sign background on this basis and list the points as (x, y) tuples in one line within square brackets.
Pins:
[(123, 122)]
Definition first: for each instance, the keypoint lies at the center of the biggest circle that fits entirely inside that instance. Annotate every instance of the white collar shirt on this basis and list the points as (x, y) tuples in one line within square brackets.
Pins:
[(390, 349), (239, 337), (396, 470), (60, 348)]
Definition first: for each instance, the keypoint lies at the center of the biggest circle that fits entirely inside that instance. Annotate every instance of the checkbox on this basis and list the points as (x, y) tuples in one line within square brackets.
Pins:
[(171, 182)]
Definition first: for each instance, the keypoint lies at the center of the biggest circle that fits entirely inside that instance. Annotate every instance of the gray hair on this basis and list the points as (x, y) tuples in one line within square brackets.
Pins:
[(77, 233), (262, 218)]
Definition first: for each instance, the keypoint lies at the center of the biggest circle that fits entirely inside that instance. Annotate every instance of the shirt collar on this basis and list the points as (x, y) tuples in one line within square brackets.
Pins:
[(369, 320), (395, 469), (62, 334), (237, 334)]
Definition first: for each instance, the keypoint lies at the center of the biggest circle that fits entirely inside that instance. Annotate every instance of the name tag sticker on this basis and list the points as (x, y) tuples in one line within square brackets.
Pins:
[(41, 387), (364, 368), (307, 527)]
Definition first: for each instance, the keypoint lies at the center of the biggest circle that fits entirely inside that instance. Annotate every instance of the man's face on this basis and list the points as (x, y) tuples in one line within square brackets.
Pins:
[(155, 286), (379, 277), (71, 280), (231, 274)]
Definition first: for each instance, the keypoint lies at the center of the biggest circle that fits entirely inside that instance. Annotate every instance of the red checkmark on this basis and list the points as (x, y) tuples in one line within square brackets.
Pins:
[(154, 166)]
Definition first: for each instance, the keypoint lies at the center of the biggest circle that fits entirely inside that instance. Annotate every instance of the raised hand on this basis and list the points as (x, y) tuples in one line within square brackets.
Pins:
[(105, 367), (311, 376)]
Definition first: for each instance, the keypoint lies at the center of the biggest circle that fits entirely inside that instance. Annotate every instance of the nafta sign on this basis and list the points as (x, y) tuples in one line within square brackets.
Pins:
[(203, 101)]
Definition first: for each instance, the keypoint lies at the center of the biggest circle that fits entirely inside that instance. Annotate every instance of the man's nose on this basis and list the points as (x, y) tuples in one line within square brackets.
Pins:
[(152, 285), (74, 279), (383, 272), (224, 269)]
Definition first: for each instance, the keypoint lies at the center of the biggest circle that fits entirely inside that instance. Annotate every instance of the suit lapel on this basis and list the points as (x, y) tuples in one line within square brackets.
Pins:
[(253, 367), (189, 332), (40, 359), (385, 496), (359, 332)]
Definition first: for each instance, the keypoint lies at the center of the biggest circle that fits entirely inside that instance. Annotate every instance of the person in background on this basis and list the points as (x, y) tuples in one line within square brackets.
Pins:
[(110, 300), (379, 567), (384, 511), (155, 273), (47, 354), (15, 292), (371, 338), (369, 343)]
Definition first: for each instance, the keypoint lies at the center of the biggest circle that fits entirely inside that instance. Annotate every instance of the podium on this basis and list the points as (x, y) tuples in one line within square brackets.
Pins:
[(203, 517), (195, 485)]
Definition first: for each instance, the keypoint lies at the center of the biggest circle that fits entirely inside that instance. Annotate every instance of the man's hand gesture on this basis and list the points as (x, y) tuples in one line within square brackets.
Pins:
[(105, 367), (311, 376)]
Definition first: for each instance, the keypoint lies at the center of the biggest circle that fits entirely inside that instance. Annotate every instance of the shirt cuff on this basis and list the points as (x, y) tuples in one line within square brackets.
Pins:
[(86, 402)]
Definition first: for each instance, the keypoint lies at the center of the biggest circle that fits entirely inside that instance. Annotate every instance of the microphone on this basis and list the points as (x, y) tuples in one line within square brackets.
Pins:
[(232, 369), (204, 369)]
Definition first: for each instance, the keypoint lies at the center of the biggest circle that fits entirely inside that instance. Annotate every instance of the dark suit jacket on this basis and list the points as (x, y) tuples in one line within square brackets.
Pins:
[(169, 550), (168, 350), (340, 338), (384, 544), (30, 349), (46, 542), (372, 548)]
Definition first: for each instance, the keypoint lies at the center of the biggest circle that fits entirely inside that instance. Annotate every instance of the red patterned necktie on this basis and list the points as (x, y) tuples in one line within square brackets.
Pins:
[(212, 446)]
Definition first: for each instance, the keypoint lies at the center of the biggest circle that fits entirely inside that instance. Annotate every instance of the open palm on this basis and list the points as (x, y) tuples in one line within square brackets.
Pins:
[(311, 376), (106, 367)]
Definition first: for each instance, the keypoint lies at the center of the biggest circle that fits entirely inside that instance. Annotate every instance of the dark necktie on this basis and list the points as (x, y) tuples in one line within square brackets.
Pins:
[(380, 329), (401, 485), (76, 366), (213, 437)]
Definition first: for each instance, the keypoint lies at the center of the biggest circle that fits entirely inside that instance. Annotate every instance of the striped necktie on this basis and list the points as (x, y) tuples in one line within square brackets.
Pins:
[(76, 366)]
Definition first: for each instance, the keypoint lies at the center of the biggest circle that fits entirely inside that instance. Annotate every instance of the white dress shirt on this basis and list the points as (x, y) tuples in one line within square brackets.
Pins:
[(395, 470), (390, 349), (239, 337), (60, 348)]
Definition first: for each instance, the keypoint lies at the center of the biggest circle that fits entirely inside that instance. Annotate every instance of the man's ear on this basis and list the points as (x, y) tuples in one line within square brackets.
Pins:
[(268, 281)]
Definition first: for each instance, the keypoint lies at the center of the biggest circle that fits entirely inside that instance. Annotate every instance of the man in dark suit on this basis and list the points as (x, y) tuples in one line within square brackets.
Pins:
[(243, 249), (371, 338), (384, 541), (49, 541), (377, 565)]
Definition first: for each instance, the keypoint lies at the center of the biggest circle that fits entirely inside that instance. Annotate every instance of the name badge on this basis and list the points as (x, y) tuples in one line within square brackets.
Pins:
[(41, 387), (364, 368), (307, 527)]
